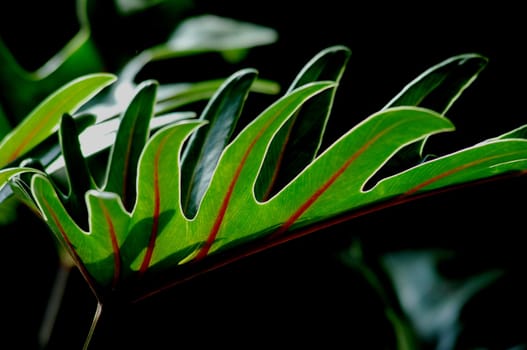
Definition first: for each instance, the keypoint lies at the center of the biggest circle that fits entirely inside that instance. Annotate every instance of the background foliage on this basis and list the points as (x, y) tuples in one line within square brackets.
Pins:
[(303, 291)]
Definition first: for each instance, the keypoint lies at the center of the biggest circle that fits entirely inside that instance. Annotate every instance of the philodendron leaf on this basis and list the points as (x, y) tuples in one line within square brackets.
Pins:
[(131, 137), (121, 245), (230, 176), (157, 217), (207, 143), (106, 250), (299, 140), (44, 119)]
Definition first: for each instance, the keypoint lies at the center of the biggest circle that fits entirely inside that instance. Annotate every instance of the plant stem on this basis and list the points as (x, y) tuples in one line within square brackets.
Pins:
[(95, 321)]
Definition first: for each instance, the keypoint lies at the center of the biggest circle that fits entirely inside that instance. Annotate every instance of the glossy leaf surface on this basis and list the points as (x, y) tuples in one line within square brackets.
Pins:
[(44, 119)]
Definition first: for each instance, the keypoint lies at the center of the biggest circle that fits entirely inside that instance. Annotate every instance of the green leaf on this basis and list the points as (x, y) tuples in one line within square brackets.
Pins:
[(8, 179), (105, 133), (157, 215), (79, 177), (334, 183), (437, 88), (130, 140), (206, 145), (481, 161), (230, 197), (48, 151), (157, 218), (7, 173), (121, 246), (44, 119), (96, 252), (299, 140)]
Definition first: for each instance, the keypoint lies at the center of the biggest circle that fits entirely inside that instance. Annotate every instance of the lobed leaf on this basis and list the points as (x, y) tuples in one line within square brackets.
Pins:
[(159, 233), (333, 183), (224, 174), (232, 186)]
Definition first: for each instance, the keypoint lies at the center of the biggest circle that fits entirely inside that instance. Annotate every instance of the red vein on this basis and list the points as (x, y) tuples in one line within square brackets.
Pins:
[(409, 196), (445, 174), (408, 193), (225, 203), (155, 216), (71, 248), (321, 190), (115, 245), (452, 171)]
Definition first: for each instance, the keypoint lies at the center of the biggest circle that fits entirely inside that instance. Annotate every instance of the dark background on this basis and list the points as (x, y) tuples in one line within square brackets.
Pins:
[(300, 293)]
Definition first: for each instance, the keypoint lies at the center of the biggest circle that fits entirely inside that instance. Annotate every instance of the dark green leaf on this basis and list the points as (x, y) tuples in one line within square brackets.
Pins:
[(298, 141), (437, 88), (79, 177), (206, 145), (131, 137)]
